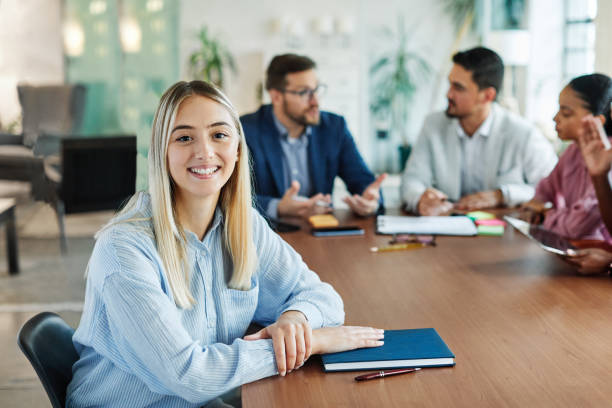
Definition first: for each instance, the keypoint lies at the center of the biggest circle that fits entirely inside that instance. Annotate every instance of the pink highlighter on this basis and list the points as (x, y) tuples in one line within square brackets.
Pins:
[(491, 222)]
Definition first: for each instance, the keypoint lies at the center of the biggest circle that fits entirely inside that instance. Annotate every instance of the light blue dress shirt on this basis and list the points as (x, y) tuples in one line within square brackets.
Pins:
[(138, 349), (473, 152), (295, 164)]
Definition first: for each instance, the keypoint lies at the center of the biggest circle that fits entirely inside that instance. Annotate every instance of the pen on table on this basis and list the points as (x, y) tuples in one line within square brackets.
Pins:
[(385, 373), (398, 247)]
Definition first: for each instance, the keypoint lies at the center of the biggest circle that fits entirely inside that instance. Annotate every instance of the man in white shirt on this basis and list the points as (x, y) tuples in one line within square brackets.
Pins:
[(476, 154)]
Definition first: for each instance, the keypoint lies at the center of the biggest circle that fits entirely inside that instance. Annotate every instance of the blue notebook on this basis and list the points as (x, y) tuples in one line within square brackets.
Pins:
[(402, 348)]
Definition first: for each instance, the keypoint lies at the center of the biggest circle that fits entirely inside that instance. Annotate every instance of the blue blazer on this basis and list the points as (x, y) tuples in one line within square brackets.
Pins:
[(331, 152)]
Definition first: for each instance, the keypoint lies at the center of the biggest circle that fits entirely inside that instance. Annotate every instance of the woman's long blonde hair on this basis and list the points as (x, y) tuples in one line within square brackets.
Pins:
[(235, 198)]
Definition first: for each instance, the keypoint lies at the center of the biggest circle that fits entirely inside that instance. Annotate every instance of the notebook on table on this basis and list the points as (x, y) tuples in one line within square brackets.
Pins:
[(402, 349), (398, 224)]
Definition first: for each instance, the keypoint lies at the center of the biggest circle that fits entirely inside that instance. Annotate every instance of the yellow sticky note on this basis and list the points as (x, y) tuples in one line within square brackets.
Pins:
[(323, 221), (480, 215)]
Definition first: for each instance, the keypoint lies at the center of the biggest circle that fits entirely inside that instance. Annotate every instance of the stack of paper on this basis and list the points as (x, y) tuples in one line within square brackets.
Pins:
[(392, 224)]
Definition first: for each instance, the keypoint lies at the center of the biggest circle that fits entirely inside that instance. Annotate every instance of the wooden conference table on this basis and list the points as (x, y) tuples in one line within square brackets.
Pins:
[(525, 329)]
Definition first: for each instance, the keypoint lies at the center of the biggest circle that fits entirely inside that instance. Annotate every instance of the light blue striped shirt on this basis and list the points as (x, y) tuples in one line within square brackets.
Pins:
[(137, 349), (473, 152)]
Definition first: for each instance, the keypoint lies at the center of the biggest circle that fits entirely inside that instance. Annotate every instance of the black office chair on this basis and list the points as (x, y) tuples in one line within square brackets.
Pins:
[(46, 340), (95, 173)]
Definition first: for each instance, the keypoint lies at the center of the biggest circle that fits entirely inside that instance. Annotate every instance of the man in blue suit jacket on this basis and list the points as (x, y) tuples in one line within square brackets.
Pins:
[(297, 151)]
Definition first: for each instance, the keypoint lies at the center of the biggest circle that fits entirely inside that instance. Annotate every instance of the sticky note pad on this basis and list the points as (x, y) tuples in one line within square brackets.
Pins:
[(480, 215), (323, 221), (495, 230)]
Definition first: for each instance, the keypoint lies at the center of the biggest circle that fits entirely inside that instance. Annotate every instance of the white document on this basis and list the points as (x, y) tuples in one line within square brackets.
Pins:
[(397, 224)]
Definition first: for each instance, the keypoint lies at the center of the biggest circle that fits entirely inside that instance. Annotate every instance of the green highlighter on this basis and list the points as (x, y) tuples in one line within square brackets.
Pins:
[(494, 230)]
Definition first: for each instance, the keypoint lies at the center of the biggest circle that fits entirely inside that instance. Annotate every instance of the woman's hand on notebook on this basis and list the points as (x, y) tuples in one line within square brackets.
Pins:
[(343, 338), (291, 336)]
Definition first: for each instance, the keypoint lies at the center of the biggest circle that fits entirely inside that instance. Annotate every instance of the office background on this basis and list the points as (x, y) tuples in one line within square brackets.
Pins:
[(127, 52)]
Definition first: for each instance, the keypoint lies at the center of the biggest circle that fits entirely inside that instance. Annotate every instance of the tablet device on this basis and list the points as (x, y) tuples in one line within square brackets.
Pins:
[(337, 231), (548, 240)]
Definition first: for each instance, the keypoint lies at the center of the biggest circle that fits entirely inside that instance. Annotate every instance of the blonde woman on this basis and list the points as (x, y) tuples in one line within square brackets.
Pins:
[(178, 275)]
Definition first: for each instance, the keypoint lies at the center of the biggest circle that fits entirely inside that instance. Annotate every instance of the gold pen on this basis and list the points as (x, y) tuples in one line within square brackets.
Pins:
[(398, 247)]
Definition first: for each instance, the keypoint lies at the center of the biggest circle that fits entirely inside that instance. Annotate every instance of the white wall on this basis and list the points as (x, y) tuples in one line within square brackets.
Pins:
[(253, 33), (545, 73), (248, 30), (30, 49), (603, 39)]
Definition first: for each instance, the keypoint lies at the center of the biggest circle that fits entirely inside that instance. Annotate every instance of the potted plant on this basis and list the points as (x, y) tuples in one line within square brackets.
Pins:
[(209, 61), (463, 13), (396, 74)]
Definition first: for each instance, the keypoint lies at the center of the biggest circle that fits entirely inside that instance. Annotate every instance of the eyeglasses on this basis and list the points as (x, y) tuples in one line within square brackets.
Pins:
[(307, 93), (427, 240)]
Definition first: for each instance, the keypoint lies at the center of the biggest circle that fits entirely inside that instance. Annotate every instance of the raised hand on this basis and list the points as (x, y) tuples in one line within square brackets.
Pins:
[(291, 205), (597, 159), (367, 202)]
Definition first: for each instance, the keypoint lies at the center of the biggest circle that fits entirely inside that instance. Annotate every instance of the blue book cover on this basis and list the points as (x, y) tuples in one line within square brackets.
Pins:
[(402, 349), (333, 232)]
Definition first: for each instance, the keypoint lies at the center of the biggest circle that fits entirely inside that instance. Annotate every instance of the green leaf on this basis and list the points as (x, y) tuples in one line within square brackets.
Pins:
[(459, 11), (208, 62), (395, 75)]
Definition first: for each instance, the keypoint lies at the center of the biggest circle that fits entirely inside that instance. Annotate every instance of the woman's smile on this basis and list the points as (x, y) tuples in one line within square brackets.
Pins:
[(204, 172)]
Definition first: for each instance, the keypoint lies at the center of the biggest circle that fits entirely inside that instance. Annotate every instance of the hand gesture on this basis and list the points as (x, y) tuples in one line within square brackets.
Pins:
[(597, 159), (292, 340), (589, 261), (481, 200), (534, 211), (434, 202), (367, 202), (291, 206), (343, 338)]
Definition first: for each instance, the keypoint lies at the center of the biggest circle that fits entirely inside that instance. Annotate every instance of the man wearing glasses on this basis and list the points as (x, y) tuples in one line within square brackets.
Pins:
[(297, 150)]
